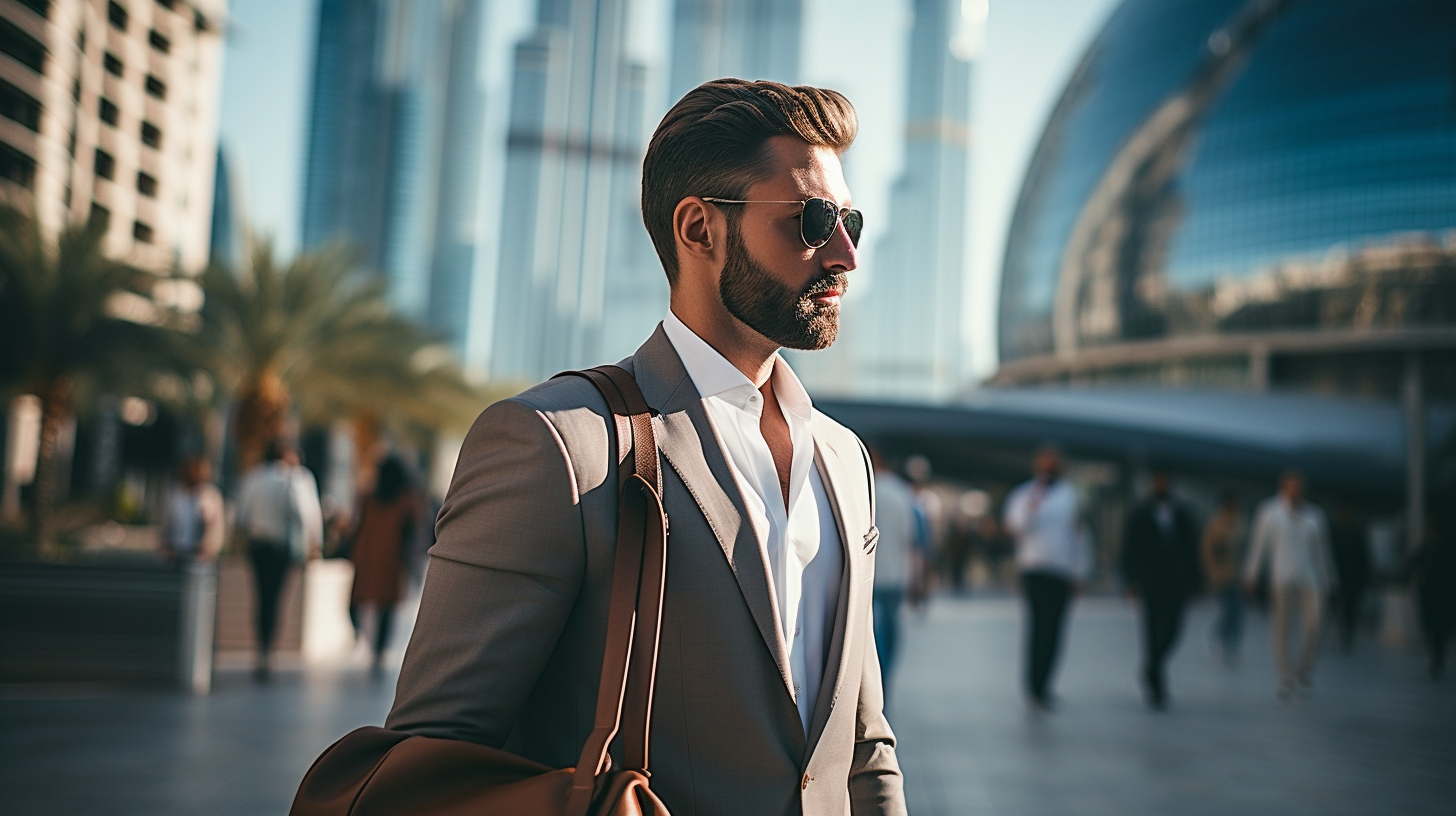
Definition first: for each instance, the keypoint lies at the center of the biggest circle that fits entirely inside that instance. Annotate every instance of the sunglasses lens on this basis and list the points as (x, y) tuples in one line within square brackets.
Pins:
[(820, 218), (854, 225)]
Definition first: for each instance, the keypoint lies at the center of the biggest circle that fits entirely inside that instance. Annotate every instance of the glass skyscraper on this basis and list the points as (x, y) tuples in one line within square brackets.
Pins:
[(907, 331), (394, 148), (570, 223), (1252, 193), (747, 39)]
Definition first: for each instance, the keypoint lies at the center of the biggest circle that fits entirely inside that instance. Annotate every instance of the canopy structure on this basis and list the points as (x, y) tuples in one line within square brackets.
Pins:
[(1355, 448)]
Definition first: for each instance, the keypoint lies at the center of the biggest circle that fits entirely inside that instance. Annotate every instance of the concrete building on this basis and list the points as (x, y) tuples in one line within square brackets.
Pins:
[(110, 108), (392, 159), (575, 261), (907, 332)]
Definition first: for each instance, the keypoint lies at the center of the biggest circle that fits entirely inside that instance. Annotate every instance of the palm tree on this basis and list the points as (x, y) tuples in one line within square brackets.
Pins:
[(317, 337), (71, 320)]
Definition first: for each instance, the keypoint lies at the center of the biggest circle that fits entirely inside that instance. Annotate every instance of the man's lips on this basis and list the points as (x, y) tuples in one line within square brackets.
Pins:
[(829, 293)]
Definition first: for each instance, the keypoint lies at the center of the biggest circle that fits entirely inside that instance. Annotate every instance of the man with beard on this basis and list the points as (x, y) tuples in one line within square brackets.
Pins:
[(768, 696)]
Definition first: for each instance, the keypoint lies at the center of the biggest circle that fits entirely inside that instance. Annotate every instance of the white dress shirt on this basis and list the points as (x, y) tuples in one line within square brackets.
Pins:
[(1295, 541), (801, 542), (1049, 536), (278, 502)]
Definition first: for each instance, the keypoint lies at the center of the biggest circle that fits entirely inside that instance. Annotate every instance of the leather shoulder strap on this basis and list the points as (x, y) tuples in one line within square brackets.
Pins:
[(634, 616)]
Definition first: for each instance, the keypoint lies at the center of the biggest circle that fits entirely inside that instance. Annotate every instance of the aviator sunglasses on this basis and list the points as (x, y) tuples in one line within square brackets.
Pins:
[(818, 219)]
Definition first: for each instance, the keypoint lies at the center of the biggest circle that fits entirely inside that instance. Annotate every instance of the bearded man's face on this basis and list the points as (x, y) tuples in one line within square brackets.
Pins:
[(792, 319)]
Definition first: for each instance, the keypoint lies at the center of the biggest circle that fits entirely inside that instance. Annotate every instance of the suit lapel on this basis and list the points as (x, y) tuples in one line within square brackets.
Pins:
[(831, 467), (692, 448)]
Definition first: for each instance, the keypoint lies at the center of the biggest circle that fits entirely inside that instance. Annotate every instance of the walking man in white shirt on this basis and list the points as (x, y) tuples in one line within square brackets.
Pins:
[(1292, 540), (1054, 557), (278, 513)]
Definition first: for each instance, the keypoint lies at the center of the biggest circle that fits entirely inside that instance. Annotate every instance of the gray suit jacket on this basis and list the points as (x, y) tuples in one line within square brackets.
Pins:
[(508, 646)]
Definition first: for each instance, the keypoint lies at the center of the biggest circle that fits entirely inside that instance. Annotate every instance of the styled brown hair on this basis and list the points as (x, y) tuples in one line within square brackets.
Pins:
[(712, 143)]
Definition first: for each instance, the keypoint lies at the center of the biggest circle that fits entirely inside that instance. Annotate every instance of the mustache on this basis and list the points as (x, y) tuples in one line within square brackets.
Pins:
[(833, 280)]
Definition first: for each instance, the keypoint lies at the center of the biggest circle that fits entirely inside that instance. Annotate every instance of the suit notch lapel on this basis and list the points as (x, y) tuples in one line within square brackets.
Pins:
[(830, 466), (691, 447)]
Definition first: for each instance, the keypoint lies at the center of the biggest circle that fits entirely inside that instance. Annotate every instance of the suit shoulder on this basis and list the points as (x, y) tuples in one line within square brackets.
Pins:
[(562, 394)]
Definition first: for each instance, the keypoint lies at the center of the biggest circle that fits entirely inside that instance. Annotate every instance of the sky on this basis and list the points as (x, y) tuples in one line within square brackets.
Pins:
[(855, 46)]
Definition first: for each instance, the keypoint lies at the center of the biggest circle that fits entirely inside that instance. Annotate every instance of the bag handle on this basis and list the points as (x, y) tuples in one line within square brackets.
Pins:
[(634, 616)]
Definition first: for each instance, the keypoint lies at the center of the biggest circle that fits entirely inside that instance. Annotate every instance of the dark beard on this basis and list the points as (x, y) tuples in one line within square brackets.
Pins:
[(768, 306)]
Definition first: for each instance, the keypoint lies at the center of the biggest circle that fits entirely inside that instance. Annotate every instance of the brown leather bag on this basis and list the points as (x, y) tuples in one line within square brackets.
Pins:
[(376, 772)]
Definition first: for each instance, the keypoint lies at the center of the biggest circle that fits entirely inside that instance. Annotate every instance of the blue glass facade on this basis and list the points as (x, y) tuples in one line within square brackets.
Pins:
[(1225, 166)]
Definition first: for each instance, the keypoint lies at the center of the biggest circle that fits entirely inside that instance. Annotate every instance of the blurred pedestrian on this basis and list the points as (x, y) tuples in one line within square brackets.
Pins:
[(1219, 551), (1160, 570), (1291, 541), (279, 516), (1434, 571), (1053, 556), (926, 542), (962, 541), (380, 550), (192, 529), (896, 561), (998, 550), (1352, 571)]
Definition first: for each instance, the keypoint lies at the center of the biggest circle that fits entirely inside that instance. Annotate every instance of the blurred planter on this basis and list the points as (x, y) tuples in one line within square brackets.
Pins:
[(133, 623)]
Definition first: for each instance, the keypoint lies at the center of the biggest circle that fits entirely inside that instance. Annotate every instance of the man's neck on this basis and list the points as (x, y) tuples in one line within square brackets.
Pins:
[(747, 350)]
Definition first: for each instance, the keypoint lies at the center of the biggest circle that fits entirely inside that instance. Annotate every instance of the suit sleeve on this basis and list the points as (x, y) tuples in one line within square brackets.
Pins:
[(875, 783), (505, 570)]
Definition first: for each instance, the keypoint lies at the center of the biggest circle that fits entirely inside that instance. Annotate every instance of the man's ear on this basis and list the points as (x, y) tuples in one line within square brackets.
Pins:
[(699, 230)]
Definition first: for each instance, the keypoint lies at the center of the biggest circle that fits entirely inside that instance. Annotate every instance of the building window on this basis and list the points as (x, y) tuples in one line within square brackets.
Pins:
[(142, 232), (16, 166), (21, 47), (105, 164), (156, 87), (100, 216), (109, 113), (113, 65), (159, 42), (151, 136), (146, 185), (116, 14), (19, 106)]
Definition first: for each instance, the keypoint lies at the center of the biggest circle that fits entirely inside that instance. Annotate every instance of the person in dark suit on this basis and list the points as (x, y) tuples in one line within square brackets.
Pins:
[(1160, 570)]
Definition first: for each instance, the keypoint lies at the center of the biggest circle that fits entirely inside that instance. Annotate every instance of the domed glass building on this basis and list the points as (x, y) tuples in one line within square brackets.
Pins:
[(1245, 193)]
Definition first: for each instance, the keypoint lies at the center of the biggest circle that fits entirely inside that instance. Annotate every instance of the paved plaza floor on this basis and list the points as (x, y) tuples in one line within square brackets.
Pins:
[(1377, 736)]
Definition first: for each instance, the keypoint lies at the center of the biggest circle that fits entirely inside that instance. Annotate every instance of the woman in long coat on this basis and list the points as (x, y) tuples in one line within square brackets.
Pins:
[(381, 550)]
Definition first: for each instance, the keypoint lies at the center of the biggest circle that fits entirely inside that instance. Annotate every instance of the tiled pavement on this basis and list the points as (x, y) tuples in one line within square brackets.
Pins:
[(1377, 737)]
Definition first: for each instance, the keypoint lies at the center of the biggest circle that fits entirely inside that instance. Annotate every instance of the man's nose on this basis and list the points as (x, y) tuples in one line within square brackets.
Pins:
[(840, 253)]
